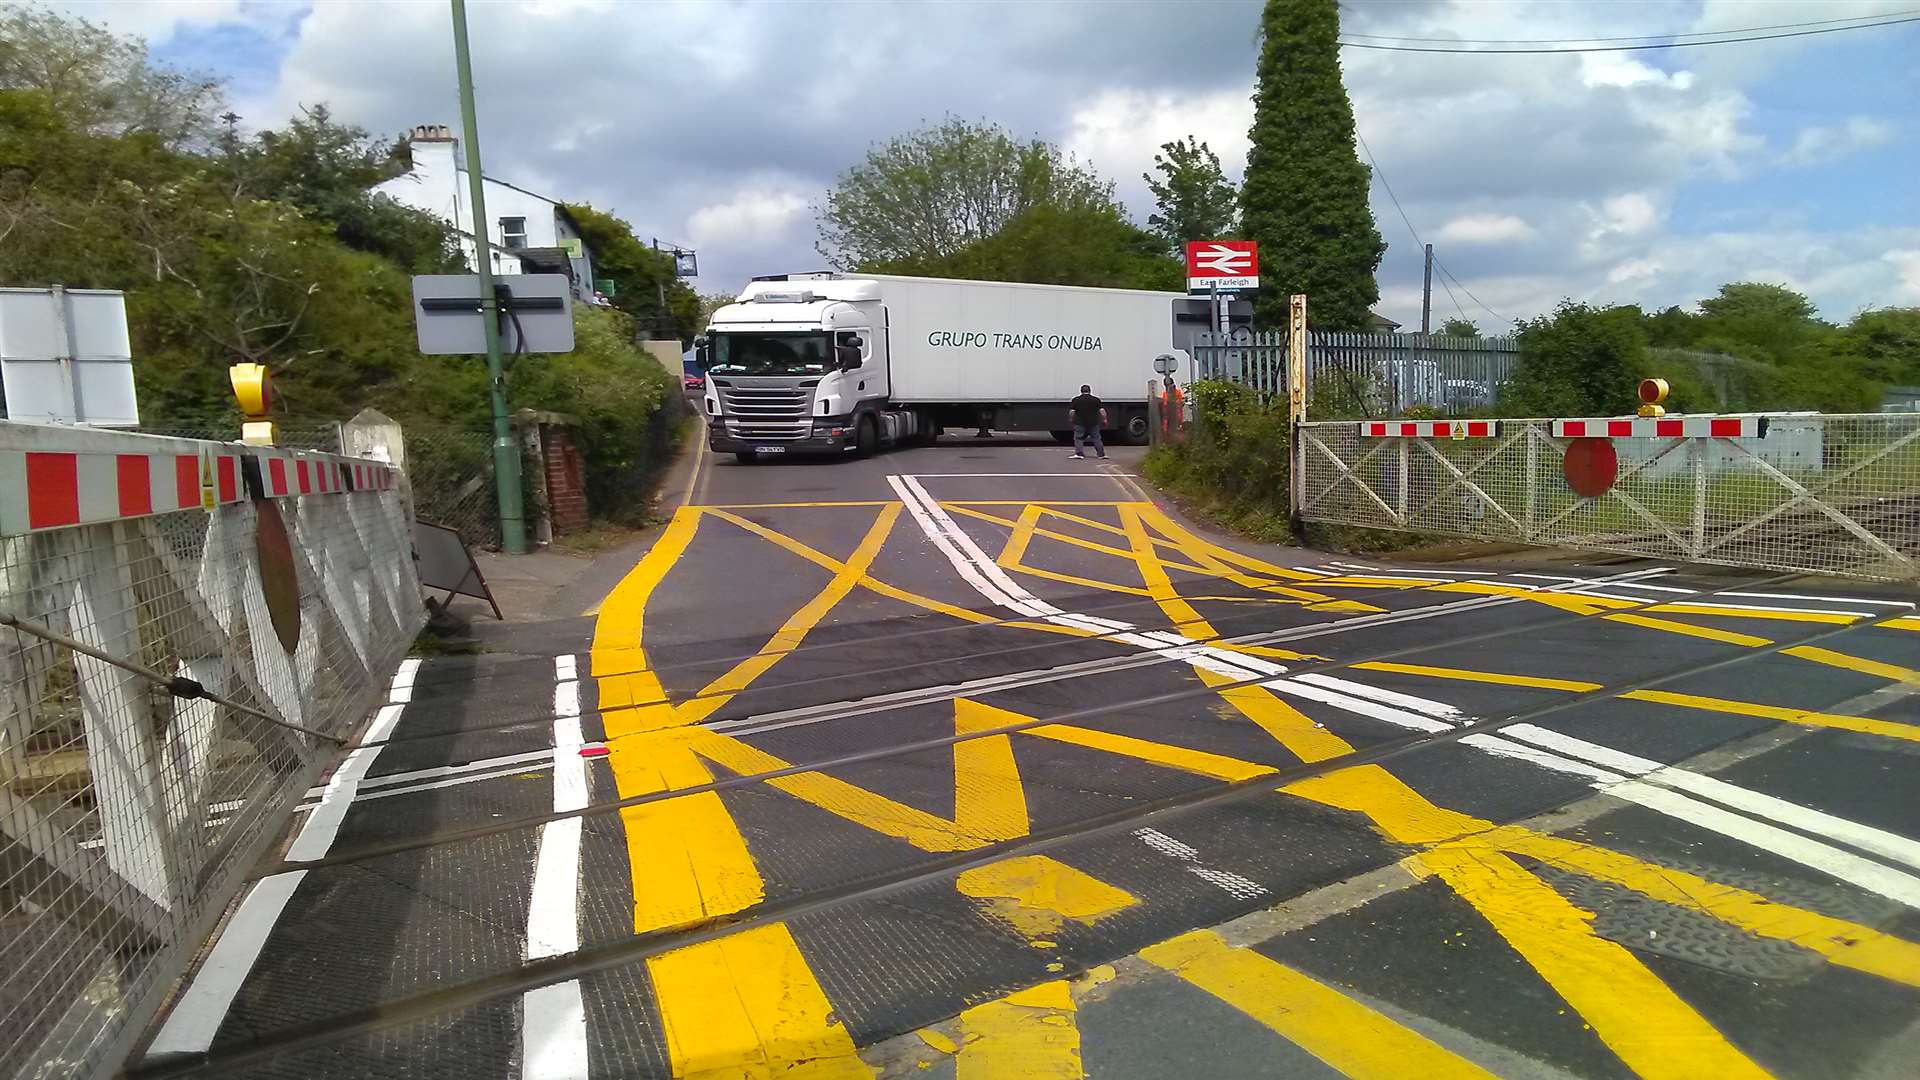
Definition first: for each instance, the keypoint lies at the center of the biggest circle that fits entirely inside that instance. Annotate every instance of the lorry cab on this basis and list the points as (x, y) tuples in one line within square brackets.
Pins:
[(799, 365)]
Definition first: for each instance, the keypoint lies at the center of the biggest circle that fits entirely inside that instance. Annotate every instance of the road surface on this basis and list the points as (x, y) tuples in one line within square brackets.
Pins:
[(979, 761)]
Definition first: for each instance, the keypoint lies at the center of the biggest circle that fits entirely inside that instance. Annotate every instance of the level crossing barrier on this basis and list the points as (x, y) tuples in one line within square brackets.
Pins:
[(188, 631), (1830, 494)]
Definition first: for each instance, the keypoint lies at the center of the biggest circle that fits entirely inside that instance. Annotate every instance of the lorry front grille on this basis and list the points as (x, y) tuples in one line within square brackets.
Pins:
[(767, 412)]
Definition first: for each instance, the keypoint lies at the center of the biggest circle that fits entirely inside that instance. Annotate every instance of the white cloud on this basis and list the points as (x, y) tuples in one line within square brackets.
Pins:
[(1907, 263), (1818, 144), (749, 215), (1484, 229), (1630, 214), (1119, 131)]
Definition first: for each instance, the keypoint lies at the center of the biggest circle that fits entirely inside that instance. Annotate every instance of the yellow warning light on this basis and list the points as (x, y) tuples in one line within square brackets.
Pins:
[(252, 388), (1652, 393), (254, 391)]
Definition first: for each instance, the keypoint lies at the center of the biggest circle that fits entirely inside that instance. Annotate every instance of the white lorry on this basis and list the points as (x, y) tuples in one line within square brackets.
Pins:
[(838, 363)]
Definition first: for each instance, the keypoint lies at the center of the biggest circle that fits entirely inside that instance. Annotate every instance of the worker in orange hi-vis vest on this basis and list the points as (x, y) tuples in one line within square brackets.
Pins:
[(1173, 409)]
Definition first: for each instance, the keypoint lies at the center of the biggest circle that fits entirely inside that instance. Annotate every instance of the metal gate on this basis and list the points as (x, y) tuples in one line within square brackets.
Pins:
[(1821, 494), (1365, 375)]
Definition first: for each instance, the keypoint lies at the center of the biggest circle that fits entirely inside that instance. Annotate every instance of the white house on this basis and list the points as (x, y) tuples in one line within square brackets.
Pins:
[(530, 233)]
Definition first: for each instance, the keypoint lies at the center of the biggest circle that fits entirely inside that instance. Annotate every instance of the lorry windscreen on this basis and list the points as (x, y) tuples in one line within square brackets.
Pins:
[(770, 354)]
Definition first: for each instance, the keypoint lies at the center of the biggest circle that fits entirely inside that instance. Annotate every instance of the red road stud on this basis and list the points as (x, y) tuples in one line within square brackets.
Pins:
[(593, 751)]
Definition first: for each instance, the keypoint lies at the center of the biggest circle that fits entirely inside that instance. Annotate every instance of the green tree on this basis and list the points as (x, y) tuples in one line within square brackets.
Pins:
[(1673, 328), (639, 274), (103, 83), (1194, 198), (928, 194), (326, 168), (1305, 193), (1459, 327), (1762, 321), (1058, 246), (1579, 361)]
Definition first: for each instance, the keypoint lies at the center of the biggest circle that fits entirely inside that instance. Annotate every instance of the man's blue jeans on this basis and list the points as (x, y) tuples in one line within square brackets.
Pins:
[(1083, 435)]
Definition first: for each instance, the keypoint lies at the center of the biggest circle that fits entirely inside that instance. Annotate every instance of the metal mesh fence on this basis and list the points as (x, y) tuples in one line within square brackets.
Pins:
[(127, 815), (451, 473), (1367, 375), (1821, 494)]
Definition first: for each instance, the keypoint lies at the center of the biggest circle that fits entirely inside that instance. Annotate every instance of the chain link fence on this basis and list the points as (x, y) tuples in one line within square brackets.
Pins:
[(1820, 494), (1367, 375), (129, 813)]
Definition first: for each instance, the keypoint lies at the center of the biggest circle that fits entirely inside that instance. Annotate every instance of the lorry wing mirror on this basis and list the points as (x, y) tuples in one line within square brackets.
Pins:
[(700, 352), (849, 357)]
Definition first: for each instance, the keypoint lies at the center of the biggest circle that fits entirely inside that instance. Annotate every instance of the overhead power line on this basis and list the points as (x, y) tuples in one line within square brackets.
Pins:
[(1417, 242), (1446, 274), (1637, 37), (1630, 48)]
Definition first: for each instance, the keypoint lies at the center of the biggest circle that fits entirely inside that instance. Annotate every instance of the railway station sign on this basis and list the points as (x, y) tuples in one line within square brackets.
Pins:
[(1222, 265)]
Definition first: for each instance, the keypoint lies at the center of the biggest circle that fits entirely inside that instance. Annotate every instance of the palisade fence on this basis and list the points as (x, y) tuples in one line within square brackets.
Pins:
[(188, 630), (1805, 492), (1366, 375)]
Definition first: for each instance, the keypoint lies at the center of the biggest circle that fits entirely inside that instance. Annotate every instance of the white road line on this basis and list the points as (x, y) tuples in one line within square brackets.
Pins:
[(1360, 706), (1805, 818), (478, 765), (1235, 886), (553, 1034), (1392, 697), (1660, 588), (1822, 599), (1011, 475), (1167, 845), (203, 1005), (1546, 577), (553, 1031)]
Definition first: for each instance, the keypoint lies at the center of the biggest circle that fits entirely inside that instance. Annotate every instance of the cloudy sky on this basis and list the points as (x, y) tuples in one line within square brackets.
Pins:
[(1649, 176)]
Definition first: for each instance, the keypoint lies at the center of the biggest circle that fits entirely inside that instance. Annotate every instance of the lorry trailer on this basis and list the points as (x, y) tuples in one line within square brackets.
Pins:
[(836, 363)]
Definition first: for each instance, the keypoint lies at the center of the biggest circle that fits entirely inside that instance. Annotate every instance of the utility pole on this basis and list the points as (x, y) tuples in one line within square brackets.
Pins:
[(506, 449), (661, 284), (1426, 294)]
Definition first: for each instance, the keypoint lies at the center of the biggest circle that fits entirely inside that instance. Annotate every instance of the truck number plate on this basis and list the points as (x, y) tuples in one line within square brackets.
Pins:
[(769, 449)]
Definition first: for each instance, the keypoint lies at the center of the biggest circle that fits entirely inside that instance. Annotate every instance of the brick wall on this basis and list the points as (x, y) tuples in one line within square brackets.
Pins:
[(566, 481)]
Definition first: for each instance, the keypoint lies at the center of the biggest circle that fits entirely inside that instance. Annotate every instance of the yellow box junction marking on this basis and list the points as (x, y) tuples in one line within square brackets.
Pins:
[(1854, 663), (1037, 894), (1867, 725), (1347, 1035), (747, 1005), (1031, 1033), (1534, 682)]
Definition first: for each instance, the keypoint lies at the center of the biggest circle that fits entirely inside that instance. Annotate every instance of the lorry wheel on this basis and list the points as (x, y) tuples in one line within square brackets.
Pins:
[(1137, 428), (1062, 437), (867, 438), (745, 457)]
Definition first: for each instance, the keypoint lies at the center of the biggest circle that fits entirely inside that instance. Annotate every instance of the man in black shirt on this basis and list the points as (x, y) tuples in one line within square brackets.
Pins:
[(1089, 415)]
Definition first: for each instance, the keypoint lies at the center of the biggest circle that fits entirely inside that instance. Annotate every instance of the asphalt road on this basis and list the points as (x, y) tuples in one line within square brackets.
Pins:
[(978, 761)]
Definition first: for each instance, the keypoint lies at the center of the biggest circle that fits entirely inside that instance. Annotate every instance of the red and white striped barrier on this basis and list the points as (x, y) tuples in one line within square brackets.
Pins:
[(1429, 429), (1663, 427), (53, 489)]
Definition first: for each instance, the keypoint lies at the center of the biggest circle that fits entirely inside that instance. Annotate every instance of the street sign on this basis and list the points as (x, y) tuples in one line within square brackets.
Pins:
[(538, 315), (1166, 364), (1222, 264), (65, 357)]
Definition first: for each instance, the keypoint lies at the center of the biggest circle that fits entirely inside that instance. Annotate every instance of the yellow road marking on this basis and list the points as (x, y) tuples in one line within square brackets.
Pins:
[(1753, 613), (693, 474), (1065, 538), (1468, 675), (798, 505), (792, 632), (1854, 663), (1037, 894), (1287, 725), (1653, 1030), (1159, 586), (868, 581), (1338, 1030), (1034, 502), (1021, 536), (687, 856), (989, 803), (1847, 944), (1085, 583), (747, 1005), (1030, 1033), (1186, 541), (1218, 766), (1361, 581), (1866, 725), (1904, 623), (1711, 633)]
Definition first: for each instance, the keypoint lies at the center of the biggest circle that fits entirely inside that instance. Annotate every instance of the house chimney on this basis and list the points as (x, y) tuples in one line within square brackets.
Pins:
[(432, 133)]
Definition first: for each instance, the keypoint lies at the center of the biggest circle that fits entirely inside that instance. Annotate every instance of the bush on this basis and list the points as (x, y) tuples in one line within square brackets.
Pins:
[(1235, 462), (625, 402)]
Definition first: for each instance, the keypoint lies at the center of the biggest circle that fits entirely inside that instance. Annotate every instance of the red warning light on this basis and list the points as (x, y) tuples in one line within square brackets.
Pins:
[(1591, 466)]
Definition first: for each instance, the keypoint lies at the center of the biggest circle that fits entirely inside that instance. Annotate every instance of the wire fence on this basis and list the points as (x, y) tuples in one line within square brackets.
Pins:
[(1820, 494), (1367, 376), (282, 583)]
